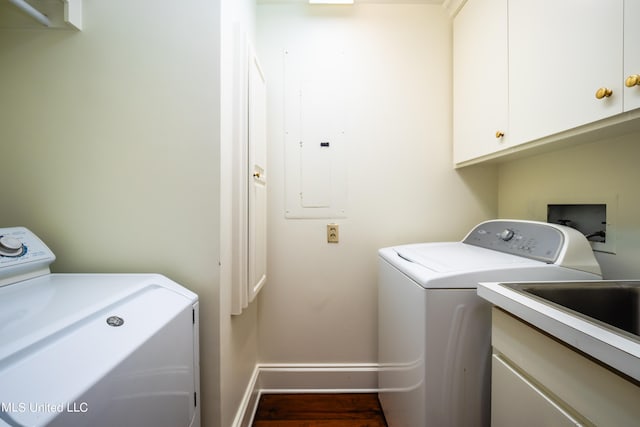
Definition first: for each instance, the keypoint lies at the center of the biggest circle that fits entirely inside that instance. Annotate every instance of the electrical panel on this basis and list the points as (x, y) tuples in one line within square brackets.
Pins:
[(315, 111)]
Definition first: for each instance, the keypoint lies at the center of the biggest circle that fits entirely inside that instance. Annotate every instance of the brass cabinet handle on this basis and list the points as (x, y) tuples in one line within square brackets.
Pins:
[(603, 92), (632, 80), (499, 134), (256, 175)]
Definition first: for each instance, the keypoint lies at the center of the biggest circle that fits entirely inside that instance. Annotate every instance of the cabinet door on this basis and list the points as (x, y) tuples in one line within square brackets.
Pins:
[(257, 232), (518, 402), (560, 54), (480, 79), (631, 52)]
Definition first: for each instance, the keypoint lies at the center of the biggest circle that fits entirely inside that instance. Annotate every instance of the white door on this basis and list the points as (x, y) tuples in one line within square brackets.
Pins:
[(257, 232)]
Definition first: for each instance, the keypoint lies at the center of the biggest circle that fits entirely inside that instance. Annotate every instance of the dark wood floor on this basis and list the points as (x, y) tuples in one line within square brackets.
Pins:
[(319, 410)]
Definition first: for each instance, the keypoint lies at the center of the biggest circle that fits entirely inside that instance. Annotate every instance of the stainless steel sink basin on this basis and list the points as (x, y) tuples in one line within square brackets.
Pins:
[(611, 304)]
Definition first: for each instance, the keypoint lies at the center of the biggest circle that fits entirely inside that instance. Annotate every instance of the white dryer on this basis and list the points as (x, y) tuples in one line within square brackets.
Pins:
[(434, 331), (93, 349)]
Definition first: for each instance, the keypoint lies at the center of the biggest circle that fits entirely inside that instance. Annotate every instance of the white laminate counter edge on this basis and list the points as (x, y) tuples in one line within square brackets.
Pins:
[(619, 352)]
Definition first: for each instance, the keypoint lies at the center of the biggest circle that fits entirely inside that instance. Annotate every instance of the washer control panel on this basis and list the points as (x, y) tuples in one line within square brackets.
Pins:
[(22, 255), (530, 239)]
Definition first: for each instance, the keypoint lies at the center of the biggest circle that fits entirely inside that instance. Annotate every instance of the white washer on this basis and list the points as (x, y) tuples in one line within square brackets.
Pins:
[(434, 331), (93, 349)]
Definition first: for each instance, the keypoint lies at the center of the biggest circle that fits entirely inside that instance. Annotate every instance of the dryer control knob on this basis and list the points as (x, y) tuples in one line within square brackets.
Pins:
[(10, 246), (507, 235)]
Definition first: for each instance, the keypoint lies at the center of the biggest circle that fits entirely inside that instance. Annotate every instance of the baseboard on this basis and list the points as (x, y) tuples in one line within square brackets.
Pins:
[(249, 403), (304, 378)]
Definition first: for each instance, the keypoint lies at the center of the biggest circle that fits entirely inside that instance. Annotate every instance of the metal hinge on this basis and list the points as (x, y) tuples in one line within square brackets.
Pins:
[(195, 399)]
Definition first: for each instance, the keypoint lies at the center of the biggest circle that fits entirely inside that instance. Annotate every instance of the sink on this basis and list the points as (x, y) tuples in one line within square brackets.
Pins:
[(614, 305)]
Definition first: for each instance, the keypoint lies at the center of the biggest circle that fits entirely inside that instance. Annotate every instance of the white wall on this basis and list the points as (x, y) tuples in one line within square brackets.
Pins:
[(320, 302), (591, 173), (109, 142)]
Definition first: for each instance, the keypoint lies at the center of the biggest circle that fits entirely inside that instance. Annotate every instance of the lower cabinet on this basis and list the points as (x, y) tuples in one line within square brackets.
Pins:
[(539, 381), (519, 402)]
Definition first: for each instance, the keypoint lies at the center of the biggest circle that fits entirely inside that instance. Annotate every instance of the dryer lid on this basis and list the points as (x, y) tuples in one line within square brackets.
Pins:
[(69, 340), (36, 311)]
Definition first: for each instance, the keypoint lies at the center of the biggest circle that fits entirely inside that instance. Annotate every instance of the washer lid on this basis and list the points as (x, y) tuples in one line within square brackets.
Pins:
[(451, 257), (457, 265)]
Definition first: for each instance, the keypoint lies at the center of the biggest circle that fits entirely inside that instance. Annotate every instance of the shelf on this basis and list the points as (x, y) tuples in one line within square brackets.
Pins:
[(41, 14)]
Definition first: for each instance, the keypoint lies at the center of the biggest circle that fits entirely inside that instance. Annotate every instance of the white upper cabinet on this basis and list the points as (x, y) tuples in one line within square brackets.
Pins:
[(539, 72), (480, 79), (631, 54), (560, 54)]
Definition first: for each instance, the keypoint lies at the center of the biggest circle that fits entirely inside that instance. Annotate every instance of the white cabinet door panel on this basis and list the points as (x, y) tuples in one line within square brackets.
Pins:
[(480, 106), (518, 402), (631, 52), (257, 233), (560, 53)]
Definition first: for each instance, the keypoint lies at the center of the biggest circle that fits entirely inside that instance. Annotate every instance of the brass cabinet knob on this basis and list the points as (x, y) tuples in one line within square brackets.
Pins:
[(603, 92), (256, 175), (632, 80), (499, 134)]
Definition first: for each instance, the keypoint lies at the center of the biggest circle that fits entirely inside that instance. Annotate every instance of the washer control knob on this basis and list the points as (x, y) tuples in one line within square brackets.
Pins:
[(10, 246), (506, 235)]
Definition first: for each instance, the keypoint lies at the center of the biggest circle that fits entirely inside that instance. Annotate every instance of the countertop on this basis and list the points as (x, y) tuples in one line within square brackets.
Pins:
[(616, 350)]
